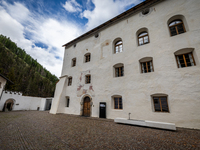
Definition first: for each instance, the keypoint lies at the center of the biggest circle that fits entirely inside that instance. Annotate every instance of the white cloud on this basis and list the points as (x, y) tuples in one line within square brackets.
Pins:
[(17, 11), (72, 6), (46, 30), (105, 10), (16, 22)]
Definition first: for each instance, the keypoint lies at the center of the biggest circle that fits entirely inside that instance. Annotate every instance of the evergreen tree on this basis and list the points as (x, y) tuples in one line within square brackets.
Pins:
[(28, 75)]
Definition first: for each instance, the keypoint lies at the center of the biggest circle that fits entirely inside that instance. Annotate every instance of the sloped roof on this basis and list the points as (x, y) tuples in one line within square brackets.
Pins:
[(123, 15), (6, 78)]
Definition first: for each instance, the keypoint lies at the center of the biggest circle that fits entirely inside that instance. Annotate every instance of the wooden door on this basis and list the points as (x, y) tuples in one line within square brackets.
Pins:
[(86, 107)]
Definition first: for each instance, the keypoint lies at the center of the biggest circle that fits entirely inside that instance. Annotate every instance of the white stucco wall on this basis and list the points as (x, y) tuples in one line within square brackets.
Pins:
[(23, 102), (2, 84), (181, 85)]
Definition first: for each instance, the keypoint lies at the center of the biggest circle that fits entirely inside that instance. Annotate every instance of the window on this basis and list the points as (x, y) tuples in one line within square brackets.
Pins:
[(118, 103), (67, 102), (160, 104), (87, 57), (96, 35), (73, 62), (176, 27), (143, 38), (69, 81), (146, 64), (146, 11), (87, 79), (146, 67), (185, 60), (119, 71), (118, 47)]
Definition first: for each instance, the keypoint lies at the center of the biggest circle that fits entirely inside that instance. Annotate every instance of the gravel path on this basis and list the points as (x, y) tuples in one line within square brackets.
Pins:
[(36, 130)]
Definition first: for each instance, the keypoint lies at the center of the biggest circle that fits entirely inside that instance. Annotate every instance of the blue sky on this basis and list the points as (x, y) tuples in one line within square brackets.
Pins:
[(41, 27)]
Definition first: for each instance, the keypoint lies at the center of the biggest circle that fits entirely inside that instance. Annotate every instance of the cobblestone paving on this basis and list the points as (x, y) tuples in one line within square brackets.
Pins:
[(41, 130)]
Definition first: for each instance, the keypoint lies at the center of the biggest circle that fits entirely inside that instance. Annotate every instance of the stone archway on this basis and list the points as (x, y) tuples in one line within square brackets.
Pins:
[(86, 106), (8, 105)]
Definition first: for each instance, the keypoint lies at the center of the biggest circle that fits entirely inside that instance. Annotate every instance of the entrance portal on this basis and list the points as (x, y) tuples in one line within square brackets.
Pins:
[(86, 107), (8, 105)]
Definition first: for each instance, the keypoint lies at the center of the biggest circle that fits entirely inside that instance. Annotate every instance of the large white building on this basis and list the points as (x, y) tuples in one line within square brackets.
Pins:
[(145, 62)]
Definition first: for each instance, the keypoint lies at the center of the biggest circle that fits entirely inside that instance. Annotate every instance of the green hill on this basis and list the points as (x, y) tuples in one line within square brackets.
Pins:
[(29, 77)]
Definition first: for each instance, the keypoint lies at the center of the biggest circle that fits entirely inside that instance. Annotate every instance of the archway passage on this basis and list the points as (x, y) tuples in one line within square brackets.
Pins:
[(8, 105), (86, 107)]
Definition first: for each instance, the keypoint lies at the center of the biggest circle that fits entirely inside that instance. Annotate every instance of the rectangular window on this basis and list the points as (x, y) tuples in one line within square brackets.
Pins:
[(160, 104), (147, 66), (118, 103), (119, 71), (185, 60), (87, 79), (87, 58), (67, 104), (73, 62), (69, 81)]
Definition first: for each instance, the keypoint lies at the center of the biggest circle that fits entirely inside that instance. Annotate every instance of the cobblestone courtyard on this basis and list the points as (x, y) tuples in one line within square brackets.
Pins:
[(41, 130)]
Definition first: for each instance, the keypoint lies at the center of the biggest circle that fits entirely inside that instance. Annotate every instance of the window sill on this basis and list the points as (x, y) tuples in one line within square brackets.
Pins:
[(160, 112), (117, 109), (118, 52), (143, 44), (187, 67), (147, 72), (119, 77)]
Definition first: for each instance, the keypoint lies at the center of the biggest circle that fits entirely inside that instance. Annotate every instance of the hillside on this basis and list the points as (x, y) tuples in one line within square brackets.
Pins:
[(29, 77)]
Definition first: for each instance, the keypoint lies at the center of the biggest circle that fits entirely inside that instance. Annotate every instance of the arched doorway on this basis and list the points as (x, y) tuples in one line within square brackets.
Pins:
[(86, 107), (8, 106)]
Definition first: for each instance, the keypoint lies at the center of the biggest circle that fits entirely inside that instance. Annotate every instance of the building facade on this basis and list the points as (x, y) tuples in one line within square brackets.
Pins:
[(144, 62)]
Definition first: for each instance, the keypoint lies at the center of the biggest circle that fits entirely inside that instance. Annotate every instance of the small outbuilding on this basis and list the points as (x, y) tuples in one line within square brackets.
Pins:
[(3, 81)]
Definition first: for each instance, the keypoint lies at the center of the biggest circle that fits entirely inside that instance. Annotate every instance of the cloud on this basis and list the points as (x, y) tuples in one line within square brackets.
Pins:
[(43, 34), (105, 10), (17, 11), (72, 6), (33, 28)]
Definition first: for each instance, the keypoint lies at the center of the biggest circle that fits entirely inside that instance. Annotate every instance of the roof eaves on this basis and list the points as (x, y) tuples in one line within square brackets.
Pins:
[(6, 78), (123, 15)]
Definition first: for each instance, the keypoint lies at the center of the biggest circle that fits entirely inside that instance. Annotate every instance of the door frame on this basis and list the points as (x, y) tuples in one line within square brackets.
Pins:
[(82, 104)]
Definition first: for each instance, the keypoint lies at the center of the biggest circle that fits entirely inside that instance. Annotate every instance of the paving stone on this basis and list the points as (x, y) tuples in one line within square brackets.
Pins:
[(37, 130)]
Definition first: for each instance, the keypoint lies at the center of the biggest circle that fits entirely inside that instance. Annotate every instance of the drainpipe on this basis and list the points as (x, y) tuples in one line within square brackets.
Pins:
[(129, 115)]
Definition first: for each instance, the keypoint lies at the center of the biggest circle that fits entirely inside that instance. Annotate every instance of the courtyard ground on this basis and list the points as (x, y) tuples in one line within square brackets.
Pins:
[(43, 131)]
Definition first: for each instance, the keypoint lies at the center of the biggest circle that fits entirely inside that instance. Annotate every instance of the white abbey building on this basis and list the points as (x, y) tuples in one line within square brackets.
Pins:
[(145, 61)]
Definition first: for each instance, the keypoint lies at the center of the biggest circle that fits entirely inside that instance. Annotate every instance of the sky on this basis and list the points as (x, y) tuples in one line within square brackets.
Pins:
[(41, 27)]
